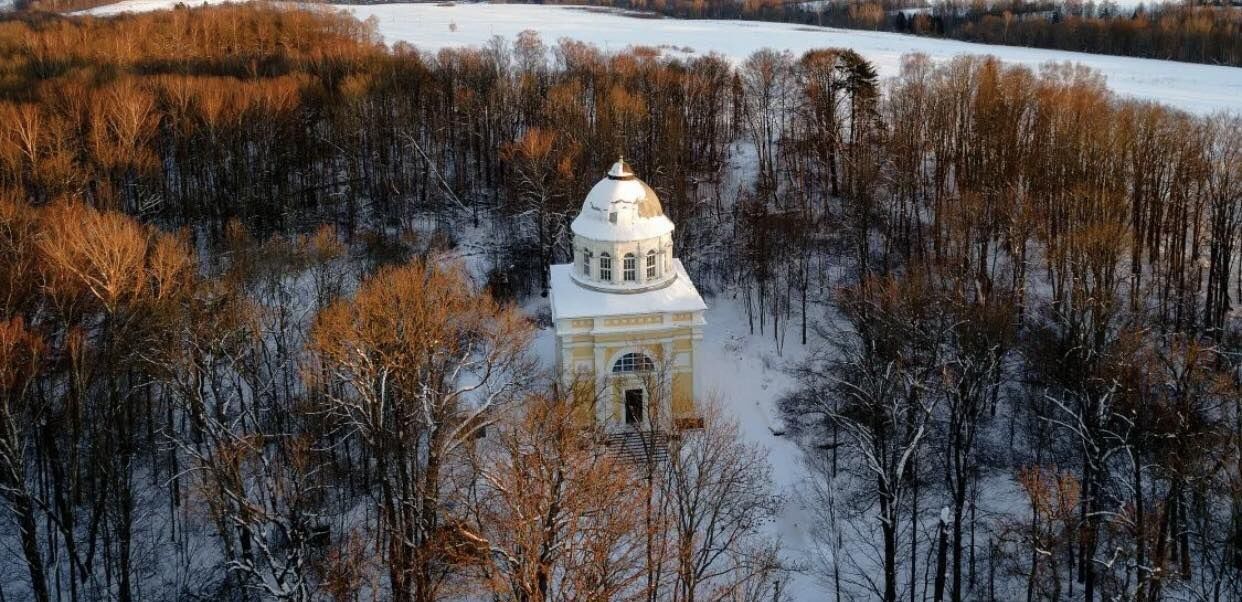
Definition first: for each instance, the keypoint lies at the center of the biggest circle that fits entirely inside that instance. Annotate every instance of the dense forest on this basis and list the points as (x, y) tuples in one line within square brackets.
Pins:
[(1198, 32), (260, 335)]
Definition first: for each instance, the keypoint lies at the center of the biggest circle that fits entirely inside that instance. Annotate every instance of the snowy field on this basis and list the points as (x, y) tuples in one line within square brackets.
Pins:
[(1196, 88)]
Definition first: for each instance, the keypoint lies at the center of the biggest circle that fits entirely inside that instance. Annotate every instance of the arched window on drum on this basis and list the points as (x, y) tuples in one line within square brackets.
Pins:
[(605, 267)]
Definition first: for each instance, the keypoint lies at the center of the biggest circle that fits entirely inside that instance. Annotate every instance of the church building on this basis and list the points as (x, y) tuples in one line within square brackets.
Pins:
[(628, 319)]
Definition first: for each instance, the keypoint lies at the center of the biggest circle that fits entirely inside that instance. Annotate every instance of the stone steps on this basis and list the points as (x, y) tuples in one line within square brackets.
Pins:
[(638, 446)]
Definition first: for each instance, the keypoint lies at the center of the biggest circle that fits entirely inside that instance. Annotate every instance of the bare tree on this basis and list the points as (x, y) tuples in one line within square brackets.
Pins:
[(257, 480), (874, 386), (411, 366), (720, 493), (20, 354), (555, 513)]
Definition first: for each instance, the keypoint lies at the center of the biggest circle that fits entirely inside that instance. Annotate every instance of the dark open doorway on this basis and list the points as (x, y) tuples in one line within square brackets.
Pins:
[(633, 406)]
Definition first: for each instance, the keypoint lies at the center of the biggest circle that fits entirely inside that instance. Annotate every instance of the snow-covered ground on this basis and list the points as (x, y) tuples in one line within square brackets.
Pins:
[(1196, 88), (747, 377)]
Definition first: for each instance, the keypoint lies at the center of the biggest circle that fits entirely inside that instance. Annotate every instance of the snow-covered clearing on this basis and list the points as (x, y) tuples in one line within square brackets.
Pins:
[(746, 377), (1196, 88)]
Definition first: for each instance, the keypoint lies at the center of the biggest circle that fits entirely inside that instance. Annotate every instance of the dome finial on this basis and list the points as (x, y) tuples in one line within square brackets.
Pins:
[(620, 170)]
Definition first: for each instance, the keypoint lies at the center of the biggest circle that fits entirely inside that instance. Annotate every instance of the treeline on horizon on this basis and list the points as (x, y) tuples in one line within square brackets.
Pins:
[(222, 229), (1190, 32), (1195, 32)]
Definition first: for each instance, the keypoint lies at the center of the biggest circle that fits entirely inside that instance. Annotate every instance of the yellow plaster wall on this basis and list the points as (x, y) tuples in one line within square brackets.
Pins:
[(632, 337), (683, 394), (584, 400), (611, 344), (614, 407), (645, 320)]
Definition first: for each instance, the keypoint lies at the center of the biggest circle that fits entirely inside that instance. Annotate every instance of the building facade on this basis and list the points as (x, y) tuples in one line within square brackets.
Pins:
[(628, 319)]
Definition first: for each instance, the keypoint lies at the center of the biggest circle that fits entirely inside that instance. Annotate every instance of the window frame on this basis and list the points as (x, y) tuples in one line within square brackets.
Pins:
[(634, 362), (629, 268), (587, 257), (605, 267), (653, 271)]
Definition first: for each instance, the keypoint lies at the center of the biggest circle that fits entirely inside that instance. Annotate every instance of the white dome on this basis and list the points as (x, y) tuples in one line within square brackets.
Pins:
[(623, 243), (621, 207)]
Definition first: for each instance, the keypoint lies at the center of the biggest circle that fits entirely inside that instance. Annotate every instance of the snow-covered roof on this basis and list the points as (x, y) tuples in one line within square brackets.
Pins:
[(571, 300), (621, 207)]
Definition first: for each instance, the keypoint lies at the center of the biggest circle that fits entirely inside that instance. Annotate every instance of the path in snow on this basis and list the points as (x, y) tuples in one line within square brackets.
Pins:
[(1196, 88)]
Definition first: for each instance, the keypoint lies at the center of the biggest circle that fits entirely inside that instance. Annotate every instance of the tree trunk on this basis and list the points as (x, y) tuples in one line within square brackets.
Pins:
[(888, 525), (24, 510), (941, 559)]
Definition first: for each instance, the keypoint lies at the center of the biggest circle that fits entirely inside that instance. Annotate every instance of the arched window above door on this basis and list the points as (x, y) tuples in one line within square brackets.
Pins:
[(633, 362)]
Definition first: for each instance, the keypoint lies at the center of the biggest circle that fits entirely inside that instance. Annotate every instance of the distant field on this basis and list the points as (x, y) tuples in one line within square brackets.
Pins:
[(1195, 88)]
